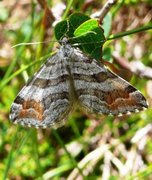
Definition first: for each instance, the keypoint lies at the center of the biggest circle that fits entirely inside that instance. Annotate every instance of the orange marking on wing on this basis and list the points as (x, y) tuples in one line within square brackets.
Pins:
[(111, 97), (32, 109), (123, 103)]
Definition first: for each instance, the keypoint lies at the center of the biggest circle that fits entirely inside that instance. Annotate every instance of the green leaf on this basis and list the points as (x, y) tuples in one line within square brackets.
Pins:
[(91, 37), (107, 23), (75, 20), (84, 32), (107, 54), (86, 27), (61, 29), (67, 27)]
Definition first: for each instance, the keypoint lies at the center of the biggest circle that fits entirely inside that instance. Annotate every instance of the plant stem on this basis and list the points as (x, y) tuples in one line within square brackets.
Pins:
[(69, 4), (69, 155), (126, 33)]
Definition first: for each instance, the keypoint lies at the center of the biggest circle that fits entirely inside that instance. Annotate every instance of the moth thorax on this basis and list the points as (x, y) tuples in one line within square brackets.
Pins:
[(66, 50)]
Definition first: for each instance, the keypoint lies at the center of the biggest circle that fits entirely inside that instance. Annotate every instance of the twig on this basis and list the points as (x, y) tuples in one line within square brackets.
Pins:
[(90, 160), (141, 133), (47, 13), (136, 67), (104, 10)]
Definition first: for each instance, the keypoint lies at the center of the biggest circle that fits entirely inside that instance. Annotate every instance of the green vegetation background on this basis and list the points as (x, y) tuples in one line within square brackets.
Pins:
[(87, 146)]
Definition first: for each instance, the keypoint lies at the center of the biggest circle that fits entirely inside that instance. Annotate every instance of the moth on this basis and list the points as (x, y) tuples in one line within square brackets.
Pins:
[(69, 79)]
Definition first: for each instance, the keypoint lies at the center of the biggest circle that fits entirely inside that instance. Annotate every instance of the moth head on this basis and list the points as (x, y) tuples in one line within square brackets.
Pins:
[(64, 41)]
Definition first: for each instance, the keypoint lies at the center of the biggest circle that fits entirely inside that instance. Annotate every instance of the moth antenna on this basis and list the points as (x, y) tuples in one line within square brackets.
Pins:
[(32, 43), (78, 44)]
